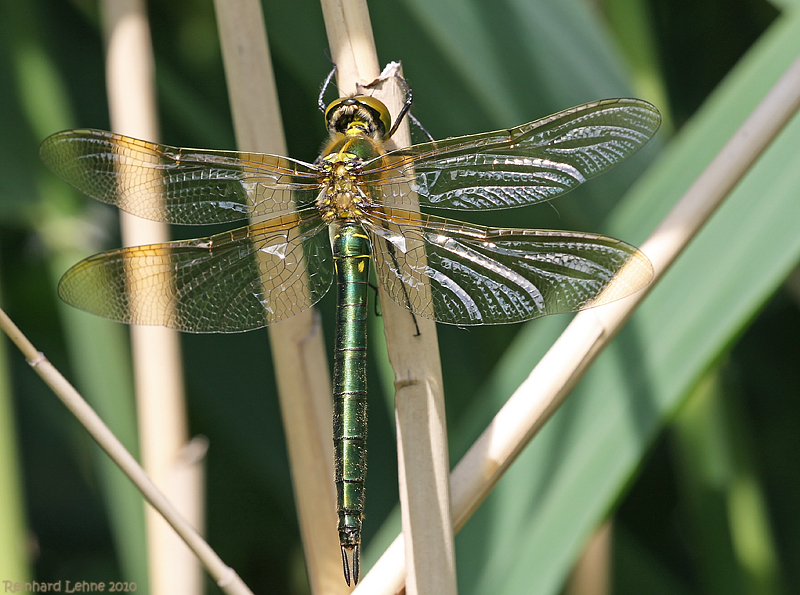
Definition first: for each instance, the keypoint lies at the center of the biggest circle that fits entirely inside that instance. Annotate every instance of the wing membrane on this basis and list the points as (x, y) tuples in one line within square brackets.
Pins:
[(519, 166), (465, 274), (184, 186), (234, 281)]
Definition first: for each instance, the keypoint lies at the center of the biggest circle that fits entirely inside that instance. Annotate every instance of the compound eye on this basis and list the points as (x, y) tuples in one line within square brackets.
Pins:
[(331, 109), (378, 108)]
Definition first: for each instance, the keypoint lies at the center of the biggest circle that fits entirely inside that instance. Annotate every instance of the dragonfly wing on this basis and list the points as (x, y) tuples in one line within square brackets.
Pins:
[(234, 281), (184, 186), (519, 166), (465, 274)]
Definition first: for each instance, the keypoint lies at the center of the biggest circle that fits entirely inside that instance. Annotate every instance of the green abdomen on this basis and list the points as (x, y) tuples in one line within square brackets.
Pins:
[(351, 254)]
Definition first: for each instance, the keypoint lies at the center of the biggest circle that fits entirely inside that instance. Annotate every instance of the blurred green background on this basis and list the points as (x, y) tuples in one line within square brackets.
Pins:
[(687, 430)]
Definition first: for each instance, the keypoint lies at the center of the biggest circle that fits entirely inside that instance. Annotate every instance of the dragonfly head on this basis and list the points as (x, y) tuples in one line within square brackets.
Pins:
[(359, 114)]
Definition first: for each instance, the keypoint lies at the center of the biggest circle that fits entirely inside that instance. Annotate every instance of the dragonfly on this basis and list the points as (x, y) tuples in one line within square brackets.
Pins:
[(354, 209)]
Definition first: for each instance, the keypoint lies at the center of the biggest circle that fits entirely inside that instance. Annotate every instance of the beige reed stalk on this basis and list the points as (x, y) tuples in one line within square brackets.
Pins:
[(298, 349), (225, 577), (157, 365), (423, 458), (556, 374)]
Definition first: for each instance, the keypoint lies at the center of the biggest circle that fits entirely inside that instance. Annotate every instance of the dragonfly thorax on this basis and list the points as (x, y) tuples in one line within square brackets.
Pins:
[(341, 196)]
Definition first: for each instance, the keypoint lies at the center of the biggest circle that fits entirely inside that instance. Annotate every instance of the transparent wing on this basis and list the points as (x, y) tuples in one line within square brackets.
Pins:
[(464, 274), (234, 281), (516, 167), (185, 186)]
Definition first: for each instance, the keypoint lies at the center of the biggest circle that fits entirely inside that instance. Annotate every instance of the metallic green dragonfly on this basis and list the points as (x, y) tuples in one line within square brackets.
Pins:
[(449, 271)]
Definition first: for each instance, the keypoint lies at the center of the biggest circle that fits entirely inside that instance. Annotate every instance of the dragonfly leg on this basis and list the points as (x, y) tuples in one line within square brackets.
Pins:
[(406, 90), (320, 100), (419, 125)]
